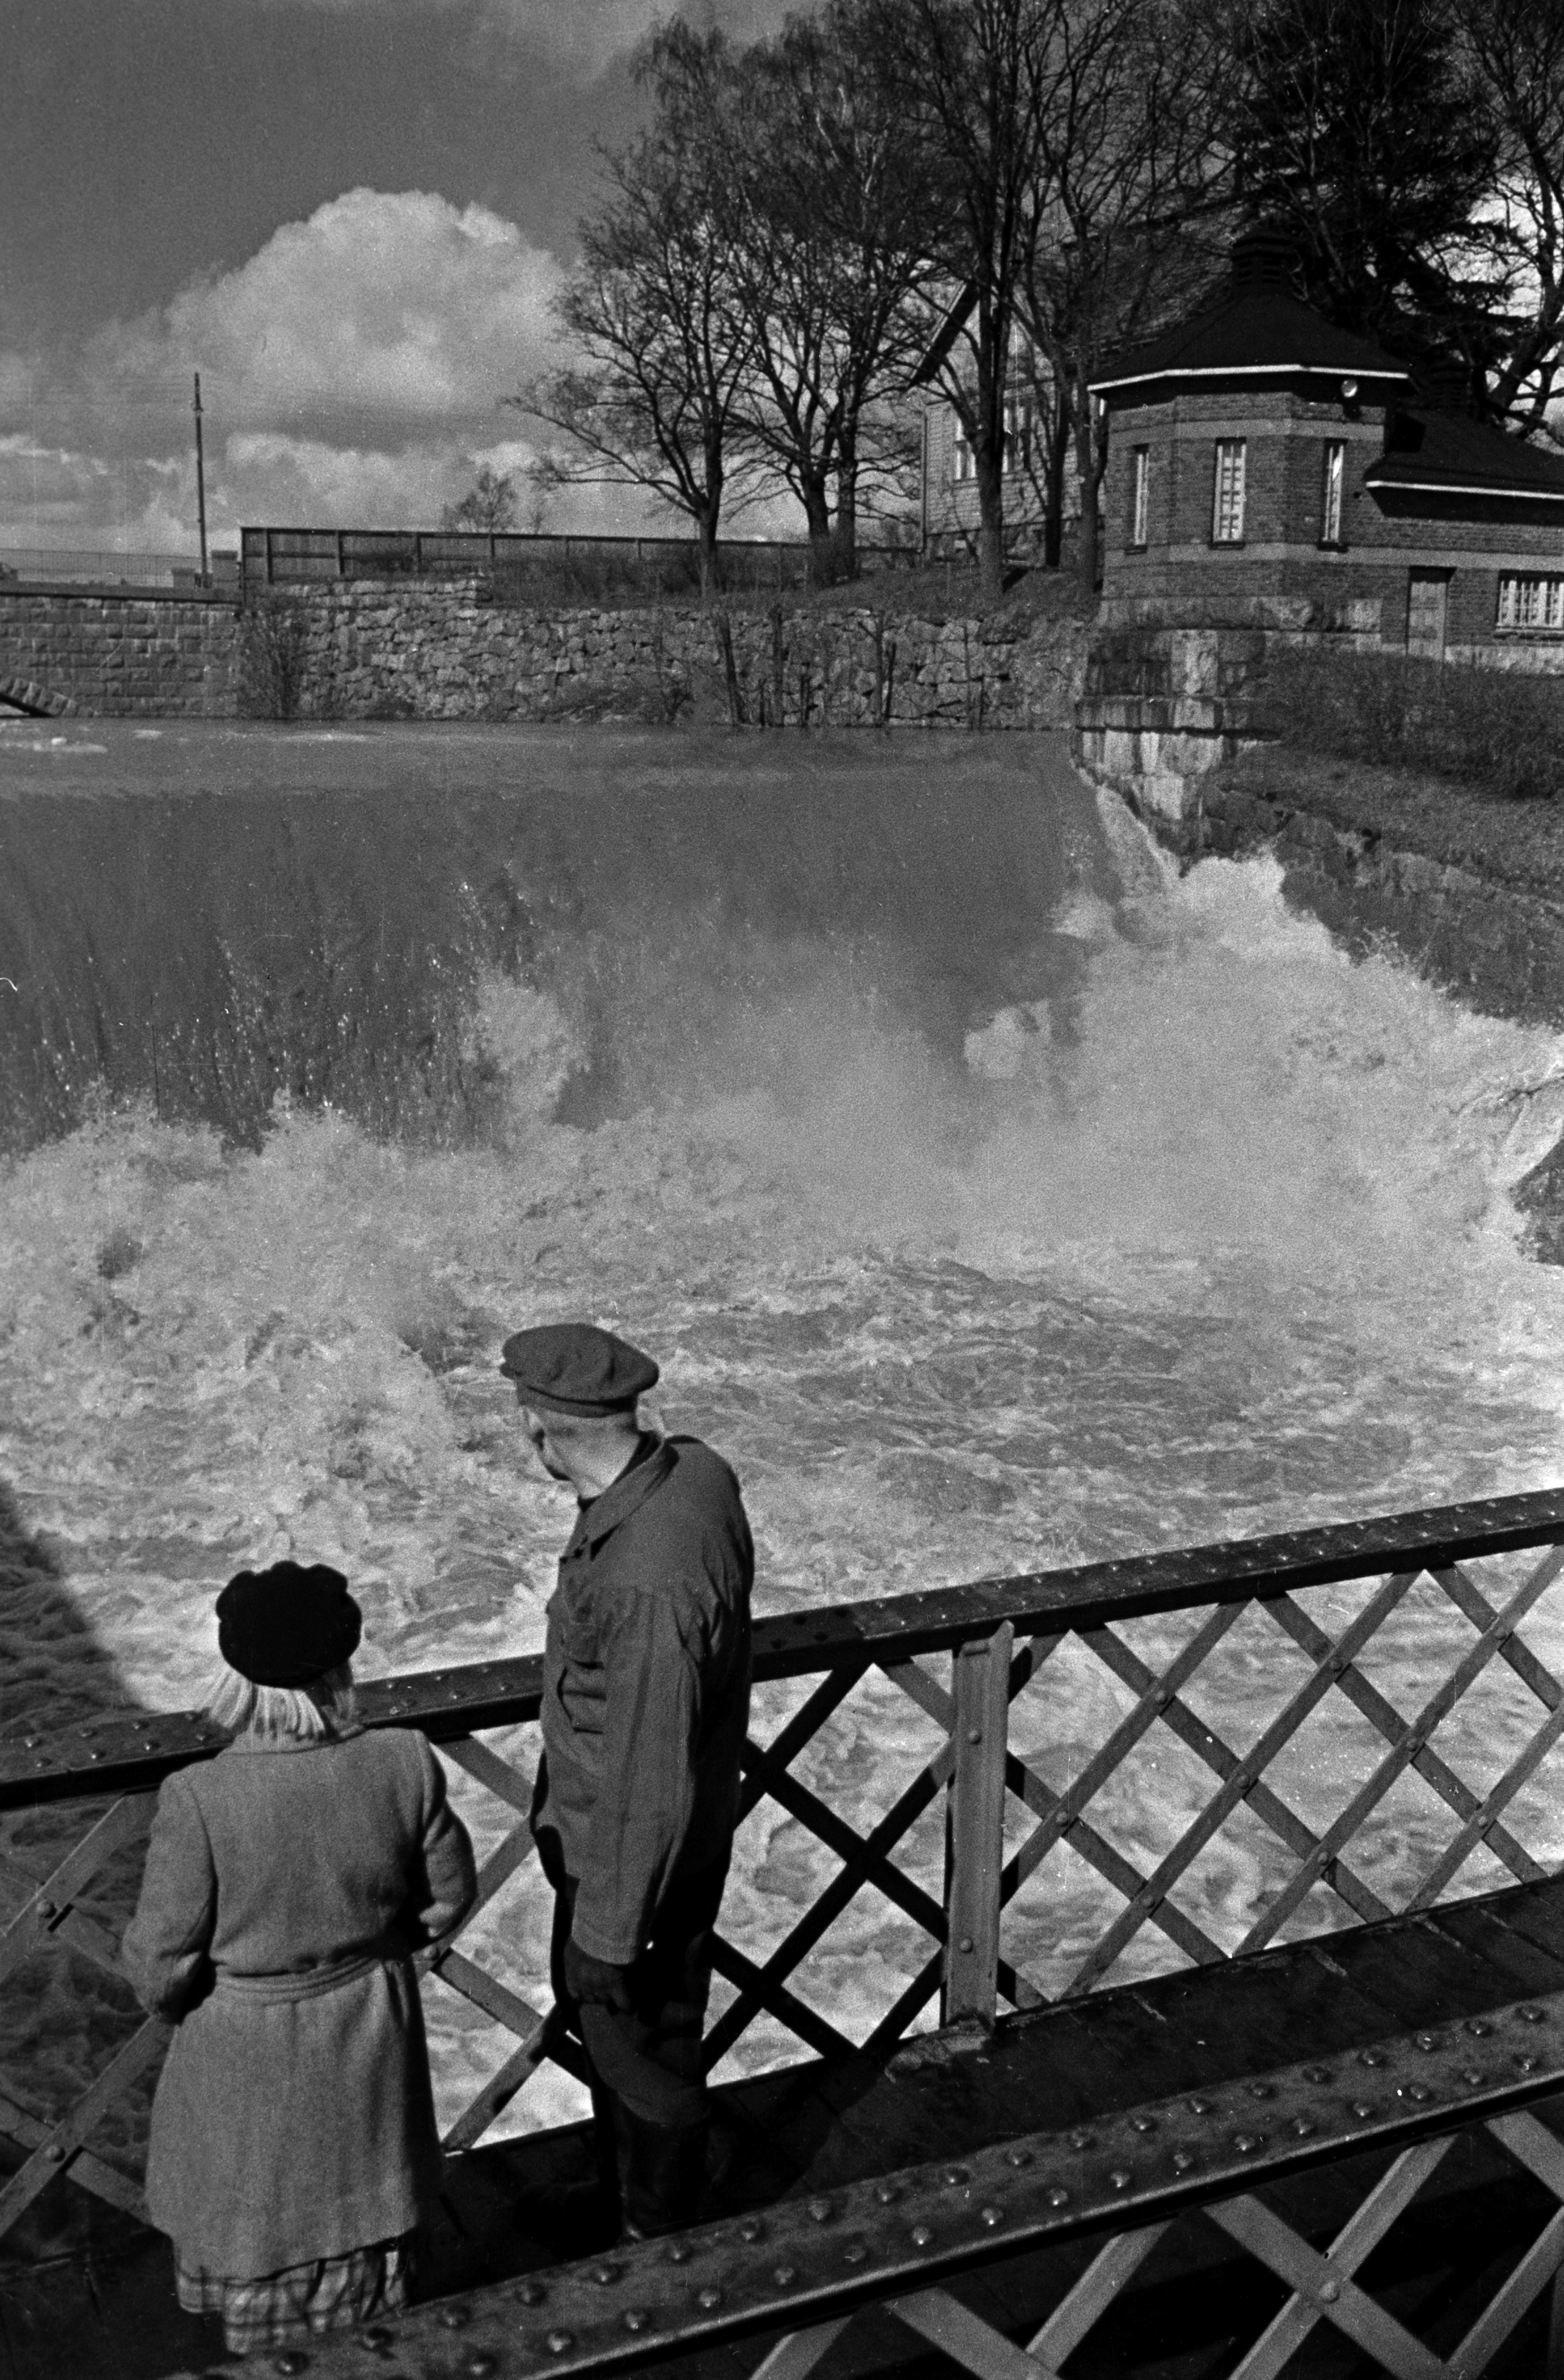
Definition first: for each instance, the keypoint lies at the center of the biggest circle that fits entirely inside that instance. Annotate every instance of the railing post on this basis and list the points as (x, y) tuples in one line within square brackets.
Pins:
[(974, 1839)]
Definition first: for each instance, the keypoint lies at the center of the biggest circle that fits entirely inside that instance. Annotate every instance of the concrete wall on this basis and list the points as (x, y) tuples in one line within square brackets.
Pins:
[(435, 650), (109, 656)]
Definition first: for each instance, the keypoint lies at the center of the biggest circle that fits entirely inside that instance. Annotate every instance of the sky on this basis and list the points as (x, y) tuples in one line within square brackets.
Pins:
[(350, 216)]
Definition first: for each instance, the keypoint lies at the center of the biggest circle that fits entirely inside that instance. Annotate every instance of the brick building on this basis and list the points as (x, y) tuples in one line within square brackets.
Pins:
[(1258, 452)]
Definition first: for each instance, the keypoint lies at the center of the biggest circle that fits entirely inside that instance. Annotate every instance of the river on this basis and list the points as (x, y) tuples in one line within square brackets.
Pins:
[(991, 1196)]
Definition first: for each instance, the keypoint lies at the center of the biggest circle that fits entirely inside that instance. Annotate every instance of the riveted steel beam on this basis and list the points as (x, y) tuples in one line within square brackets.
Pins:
[(809, 2262)]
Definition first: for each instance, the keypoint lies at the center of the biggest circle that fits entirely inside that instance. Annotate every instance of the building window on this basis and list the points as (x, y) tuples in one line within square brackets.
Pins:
[(1226, 511), (962, 465), (1531, 602), (1017, 435), (1140, 480), (1330, 507)]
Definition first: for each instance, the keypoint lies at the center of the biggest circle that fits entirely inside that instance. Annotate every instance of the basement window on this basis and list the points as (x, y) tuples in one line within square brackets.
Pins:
[(1226, 511), (1531, 602)]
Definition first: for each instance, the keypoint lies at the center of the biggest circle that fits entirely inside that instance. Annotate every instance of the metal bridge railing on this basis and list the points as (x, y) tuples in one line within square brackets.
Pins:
[(996, 1794)]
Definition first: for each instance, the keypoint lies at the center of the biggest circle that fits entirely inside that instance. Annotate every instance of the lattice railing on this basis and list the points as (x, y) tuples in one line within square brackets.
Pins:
[(1000, 1793)]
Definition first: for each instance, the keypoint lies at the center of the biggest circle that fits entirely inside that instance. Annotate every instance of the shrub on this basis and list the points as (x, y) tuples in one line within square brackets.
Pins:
[(274, 658), (1501, 730)]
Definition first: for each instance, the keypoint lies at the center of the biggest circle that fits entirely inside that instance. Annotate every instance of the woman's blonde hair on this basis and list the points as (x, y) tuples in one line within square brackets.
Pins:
[(311, 1714)]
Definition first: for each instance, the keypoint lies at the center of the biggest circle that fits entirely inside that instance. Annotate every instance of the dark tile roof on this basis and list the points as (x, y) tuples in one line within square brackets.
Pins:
[(1250, 326), (1448, 451)]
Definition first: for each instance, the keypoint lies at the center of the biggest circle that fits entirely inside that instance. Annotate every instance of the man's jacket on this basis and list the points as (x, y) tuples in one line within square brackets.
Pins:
[(646, 1691)]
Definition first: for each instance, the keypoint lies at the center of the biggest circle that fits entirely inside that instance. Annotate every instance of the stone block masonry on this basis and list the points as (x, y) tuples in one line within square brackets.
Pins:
[(65, 651), (437, 650)]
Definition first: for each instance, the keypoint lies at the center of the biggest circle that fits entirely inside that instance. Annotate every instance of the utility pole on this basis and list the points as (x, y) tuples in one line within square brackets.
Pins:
[(200, 482)]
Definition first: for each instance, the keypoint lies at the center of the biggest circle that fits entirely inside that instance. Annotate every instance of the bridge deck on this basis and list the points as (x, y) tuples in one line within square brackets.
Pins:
[(87, 2290)]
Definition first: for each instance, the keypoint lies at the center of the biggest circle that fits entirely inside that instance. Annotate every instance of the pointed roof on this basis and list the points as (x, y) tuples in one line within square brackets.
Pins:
[(1254, 327), (1447, 454)]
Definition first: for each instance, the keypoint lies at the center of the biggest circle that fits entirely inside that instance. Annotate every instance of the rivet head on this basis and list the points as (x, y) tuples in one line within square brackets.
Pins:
[(1247, 2143), (1426, 2040), (1330, 2291), (1182, 2160), (954, 2175), (479, 2367), (531, 2292), (678, 2252), (633, 2318), (604, 2276), (1302, 2126), (560, 2342), (1081, 2140), (820, 2210), (453, 2317), (921, 2236), (785, 2276), (1121, 2176), (374, 2342), (292, 2360), (46, 1909), (1200, 2106), (1530, 2015), (1362, 2107), (1478, 2025), (752, 2230), (1472, 2076), (1261, 2091), (1371, 2057), (54, 2154), (1242, 1780), (854, 2252), (974, 1735), (1142, 2123), (887, 2193), (1057, 2197), (708, 2298), (1528, 2064), (1412, 2091), (1316, 2074), (1018, 2157)]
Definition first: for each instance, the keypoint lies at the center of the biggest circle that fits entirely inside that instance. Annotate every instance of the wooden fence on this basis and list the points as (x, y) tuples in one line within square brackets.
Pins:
[(1221, 1663)]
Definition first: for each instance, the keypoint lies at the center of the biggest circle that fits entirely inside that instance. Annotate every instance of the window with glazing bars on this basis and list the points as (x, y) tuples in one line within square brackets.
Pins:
[(1330, 507), (1140, 480), (962, 465), (1226, 512), (1531, 602)]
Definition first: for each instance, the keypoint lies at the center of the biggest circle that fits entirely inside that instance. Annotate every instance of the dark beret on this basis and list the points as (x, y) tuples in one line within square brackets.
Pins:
[(287, 1626), (574, 1367)]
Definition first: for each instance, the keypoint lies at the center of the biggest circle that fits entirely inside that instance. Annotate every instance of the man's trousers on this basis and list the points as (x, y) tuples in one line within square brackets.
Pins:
[(648, 2092)]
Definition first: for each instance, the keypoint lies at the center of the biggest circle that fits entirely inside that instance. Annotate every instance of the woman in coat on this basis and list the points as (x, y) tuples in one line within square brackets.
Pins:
[(294, 2153)]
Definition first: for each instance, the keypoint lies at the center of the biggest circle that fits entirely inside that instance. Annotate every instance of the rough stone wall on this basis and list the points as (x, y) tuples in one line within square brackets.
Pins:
[(113, 656), (439, 651)]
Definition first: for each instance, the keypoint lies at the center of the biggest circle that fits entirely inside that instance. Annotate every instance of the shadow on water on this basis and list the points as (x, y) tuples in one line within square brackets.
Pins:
[(209, 950)]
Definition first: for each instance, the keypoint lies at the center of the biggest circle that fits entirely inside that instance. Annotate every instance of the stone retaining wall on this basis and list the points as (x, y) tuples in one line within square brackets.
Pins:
[(434, 650), (106, 656), (440, 651)]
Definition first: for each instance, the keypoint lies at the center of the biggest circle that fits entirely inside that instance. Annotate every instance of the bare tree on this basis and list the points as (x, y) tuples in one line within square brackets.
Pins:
[(490, 504), (1125, 211), (1517, 49), (829, 217), (654, 312), (965, 73)]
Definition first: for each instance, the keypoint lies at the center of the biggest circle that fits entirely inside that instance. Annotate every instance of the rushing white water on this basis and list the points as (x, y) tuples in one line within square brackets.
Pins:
[(1201, 1231)]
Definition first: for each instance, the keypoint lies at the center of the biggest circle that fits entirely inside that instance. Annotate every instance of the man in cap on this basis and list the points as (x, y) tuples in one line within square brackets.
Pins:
[(645, 1707)]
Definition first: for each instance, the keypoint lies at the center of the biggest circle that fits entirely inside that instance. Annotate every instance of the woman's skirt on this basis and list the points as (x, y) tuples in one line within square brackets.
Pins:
[(288, 2308)]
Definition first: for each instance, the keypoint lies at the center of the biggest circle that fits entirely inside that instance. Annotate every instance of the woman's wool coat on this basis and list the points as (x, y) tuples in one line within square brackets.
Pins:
[(285, 1885)]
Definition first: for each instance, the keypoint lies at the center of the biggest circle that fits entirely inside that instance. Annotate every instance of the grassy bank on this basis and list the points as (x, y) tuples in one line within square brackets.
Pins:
[(1462, 765)]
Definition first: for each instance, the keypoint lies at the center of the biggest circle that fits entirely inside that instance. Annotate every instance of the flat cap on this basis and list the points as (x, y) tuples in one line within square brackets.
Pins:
[(574, 1367), (288, 1625)]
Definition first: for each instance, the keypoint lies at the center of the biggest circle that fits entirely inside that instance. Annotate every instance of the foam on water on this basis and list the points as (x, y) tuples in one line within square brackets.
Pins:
[(1208, 1237)]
